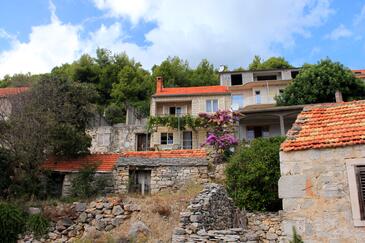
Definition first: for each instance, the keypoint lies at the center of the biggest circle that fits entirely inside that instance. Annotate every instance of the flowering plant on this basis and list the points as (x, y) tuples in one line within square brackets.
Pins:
[(221, 127)]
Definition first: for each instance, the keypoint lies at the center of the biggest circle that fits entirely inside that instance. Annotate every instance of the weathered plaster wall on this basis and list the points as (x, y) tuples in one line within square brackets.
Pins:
[(166, 173), (117, 138), (315, 192)]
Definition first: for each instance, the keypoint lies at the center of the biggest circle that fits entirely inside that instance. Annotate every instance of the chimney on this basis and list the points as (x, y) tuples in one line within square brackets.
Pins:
[(338, 96), (159, 84)]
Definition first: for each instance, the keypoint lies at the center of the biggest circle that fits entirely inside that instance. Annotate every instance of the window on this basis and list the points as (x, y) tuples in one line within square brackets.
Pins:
[(267, 77), (103, 139), (294, 74), (211, 106), (237, 102), (258, 96), (257, 132), (175, 110), (236, 79), (167, 138), (356, 178)]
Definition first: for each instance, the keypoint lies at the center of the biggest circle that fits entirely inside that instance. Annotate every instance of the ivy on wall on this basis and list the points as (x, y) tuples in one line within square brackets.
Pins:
[(182, 122)]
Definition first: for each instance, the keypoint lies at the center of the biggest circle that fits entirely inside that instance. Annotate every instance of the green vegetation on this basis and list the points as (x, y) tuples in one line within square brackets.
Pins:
[(12, 223), (318, 83), (85, 184), (253, 173), (50, 119), (183, 122), (37, 224), (271, 63)]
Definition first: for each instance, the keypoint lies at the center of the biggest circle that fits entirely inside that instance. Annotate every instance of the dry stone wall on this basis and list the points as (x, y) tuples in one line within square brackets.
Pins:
[(97, 216), (166, 173), (212, 217)]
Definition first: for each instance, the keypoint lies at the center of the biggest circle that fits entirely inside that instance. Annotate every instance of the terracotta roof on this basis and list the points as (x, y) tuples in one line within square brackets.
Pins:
[(4, 92), (193, 90), (326, 126), (185, 153), (360, 73), (105, 163)]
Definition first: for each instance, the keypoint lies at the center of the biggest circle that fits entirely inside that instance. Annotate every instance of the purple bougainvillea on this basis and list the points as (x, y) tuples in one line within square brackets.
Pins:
[(220, 126)]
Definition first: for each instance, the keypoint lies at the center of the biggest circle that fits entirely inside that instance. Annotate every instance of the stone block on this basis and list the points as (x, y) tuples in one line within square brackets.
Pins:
[(293, 186)]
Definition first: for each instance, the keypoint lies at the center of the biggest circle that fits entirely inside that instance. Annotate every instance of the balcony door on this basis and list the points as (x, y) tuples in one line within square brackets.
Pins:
[(187, 140)]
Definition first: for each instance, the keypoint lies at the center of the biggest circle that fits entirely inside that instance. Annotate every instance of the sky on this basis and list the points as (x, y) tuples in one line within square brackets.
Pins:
[(37, 35)]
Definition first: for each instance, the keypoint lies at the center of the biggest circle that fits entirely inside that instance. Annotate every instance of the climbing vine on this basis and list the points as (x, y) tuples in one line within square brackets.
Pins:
[(183, 122)]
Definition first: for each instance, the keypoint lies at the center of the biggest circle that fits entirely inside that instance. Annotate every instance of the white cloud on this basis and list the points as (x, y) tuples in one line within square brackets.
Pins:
[(360, 17), (225, 33), (340, 32)]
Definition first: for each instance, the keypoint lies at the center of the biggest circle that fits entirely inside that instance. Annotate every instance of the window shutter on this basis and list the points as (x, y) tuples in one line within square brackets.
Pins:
[(360, 174)]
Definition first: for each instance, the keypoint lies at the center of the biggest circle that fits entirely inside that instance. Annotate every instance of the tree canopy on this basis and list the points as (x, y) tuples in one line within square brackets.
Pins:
[(271, 63), (318, 83), (177, 73), (49, 119)]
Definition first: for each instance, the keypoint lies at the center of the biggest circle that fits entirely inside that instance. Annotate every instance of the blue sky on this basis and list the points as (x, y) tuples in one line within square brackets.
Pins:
[(39, 34)]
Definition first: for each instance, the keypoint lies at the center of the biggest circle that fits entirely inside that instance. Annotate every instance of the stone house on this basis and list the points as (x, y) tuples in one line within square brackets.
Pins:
[(138, 172), (5, 96), (322, 165)]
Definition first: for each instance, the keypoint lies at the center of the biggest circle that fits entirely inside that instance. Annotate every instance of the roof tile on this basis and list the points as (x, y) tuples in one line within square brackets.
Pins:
[(327, 126), (4, 92)]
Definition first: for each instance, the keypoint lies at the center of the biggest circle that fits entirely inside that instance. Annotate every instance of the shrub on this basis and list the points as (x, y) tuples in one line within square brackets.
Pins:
[(114, 114), (253, 173), (37, 224), (12, 222), (85, 184)]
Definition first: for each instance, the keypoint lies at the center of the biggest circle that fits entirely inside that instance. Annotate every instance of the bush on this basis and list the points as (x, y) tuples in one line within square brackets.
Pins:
[(37, 224), (12, 222), (85, 184), (253, 173)]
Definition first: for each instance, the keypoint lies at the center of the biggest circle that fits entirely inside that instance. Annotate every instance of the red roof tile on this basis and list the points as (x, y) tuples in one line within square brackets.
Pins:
[(105, 163), (185, 153), (326, 126), (192, 90), (4, 92)]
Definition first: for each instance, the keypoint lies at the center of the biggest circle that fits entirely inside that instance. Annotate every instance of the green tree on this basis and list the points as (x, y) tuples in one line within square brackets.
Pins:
[(253, 173), (255, 64), (318, 83), (176, 72), (271, 63), (50, 119), (204, 74)]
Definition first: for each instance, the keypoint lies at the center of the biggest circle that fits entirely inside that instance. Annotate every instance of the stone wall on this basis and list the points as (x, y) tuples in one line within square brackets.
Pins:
[(69, 223), (315, 191), (115, 139), (212, 217), (166, 173), (106, 177)]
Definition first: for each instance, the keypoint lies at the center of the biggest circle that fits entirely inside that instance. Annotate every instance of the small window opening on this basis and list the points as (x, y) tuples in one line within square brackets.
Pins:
[(236, 79), (267, 77)]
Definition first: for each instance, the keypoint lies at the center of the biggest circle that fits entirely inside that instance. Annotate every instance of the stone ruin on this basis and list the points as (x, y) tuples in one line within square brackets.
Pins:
[(212, 217)]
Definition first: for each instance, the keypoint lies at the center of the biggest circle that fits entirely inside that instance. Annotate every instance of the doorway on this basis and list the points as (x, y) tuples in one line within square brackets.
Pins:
[(140, 181), (187, 140), (143, 141)]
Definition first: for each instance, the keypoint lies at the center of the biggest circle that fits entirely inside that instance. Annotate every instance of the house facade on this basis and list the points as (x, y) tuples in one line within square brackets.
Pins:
[(5, 104), (322, 182), (251, 93)]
